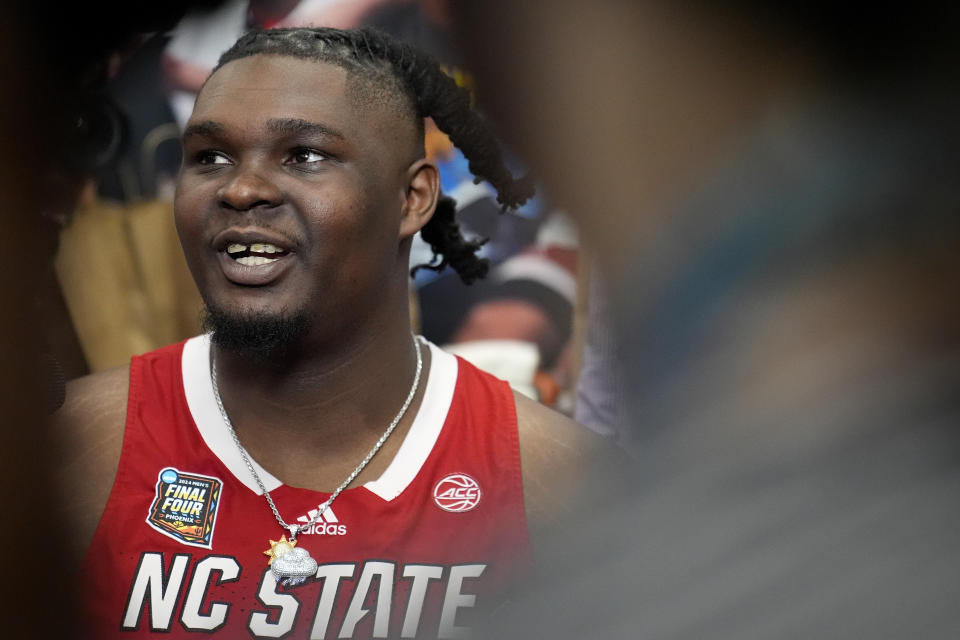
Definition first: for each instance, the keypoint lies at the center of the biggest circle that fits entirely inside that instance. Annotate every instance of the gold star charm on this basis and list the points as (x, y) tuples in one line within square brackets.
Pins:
[(278, 548)]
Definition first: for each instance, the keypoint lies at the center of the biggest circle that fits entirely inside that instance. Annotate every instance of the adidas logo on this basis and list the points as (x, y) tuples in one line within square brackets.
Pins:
[(328, 524)]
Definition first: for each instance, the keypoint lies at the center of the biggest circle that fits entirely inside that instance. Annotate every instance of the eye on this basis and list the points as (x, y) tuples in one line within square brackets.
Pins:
[(212, 157), (305, 156)]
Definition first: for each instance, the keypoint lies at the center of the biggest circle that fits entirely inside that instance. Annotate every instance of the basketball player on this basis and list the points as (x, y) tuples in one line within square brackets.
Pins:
[(310, 467)]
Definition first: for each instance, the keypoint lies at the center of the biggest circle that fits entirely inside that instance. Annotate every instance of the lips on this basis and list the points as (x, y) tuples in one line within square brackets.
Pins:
[(253, 257)]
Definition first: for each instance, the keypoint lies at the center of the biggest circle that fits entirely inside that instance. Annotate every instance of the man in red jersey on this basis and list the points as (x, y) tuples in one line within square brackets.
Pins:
[(310, 469)]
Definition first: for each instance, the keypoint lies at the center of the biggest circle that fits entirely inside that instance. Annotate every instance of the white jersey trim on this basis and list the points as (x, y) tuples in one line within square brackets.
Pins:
[(426, 427), (198, 387), (419, 442)]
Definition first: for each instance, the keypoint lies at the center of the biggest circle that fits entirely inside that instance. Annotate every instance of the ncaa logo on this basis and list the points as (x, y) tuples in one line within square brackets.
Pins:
[(457, 493)]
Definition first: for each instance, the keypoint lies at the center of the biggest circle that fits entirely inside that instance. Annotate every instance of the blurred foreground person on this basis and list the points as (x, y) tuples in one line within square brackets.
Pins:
[(311, 468), (774, 193), (22, 398), (49, 140)]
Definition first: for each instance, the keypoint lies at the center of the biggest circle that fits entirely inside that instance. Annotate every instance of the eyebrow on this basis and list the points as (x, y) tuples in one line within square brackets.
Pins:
[(294, 126), (207, 128), (285, 126)]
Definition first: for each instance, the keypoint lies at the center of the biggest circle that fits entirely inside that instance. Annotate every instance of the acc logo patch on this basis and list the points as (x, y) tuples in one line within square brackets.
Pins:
[(457, 493), (185, 507)]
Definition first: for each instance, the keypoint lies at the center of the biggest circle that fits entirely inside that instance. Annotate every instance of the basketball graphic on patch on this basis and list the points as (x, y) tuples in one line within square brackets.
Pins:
[(457, 493)]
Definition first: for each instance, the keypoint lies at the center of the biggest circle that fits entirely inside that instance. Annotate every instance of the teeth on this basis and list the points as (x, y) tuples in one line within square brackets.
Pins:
[(254, 261), (235, 248), (264, 248), (257, 247)]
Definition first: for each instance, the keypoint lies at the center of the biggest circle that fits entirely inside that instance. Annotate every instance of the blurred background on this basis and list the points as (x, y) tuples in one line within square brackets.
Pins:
[(741, 268)]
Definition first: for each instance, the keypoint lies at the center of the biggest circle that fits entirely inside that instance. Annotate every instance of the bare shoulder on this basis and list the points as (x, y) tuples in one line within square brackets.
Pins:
[(88, 434), (566, 467)]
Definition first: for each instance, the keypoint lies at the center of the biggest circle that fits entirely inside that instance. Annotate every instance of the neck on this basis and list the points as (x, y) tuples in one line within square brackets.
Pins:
[(311, 414)]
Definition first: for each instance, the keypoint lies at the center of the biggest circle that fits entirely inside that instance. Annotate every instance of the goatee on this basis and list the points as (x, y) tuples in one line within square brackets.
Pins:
[(256, 336)]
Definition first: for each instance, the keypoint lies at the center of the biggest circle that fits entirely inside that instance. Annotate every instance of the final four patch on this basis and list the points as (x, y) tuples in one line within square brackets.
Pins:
[(185, 507)]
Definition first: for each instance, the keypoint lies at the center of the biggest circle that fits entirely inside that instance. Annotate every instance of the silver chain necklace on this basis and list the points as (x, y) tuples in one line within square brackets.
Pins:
[(292, 566)]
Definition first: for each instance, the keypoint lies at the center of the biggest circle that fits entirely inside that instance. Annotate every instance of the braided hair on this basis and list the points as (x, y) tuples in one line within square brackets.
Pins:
[(399, 71)]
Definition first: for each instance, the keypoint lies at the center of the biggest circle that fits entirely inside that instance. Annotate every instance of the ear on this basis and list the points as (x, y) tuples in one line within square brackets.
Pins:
[(423, 190)]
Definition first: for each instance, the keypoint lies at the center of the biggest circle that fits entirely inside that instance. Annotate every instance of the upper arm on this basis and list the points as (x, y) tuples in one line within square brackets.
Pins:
[(87, 437), (567, 469)]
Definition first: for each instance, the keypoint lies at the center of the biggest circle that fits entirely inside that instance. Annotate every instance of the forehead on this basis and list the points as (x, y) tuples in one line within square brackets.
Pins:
[(249, 92)]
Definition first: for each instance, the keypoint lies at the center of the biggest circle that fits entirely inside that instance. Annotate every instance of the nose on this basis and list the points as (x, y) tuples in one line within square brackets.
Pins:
[(247, 189)]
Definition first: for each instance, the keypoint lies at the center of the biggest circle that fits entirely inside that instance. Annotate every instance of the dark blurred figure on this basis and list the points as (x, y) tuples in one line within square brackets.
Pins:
[(56, 131), (30, 522), (773, 191)]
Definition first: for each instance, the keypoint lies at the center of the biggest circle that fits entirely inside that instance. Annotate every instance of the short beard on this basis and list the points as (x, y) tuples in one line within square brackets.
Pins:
[(257, 336)]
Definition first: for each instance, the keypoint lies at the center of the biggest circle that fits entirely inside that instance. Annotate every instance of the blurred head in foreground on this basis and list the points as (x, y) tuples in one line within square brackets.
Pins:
[(772, 193)]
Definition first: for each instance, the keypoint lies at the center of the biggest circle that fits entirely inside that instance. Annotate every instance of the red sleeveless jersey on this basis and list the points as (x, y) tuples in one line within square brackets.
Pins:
[(419, 552)]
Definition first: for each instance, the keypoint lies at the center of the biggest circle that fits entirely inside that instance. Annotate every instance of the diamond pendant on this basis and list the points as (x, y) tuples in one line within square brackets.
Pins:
[(290, 565)]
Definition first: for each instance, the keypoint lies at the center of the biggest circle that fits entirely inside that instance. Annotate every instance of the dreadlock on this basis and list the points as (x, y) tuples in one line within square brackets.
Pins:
[(405, 72)]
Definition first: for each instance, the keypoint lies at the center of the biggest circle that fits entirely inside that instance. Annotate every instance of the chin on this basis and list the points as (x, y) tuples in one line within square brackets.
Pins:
[(257, 334)]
